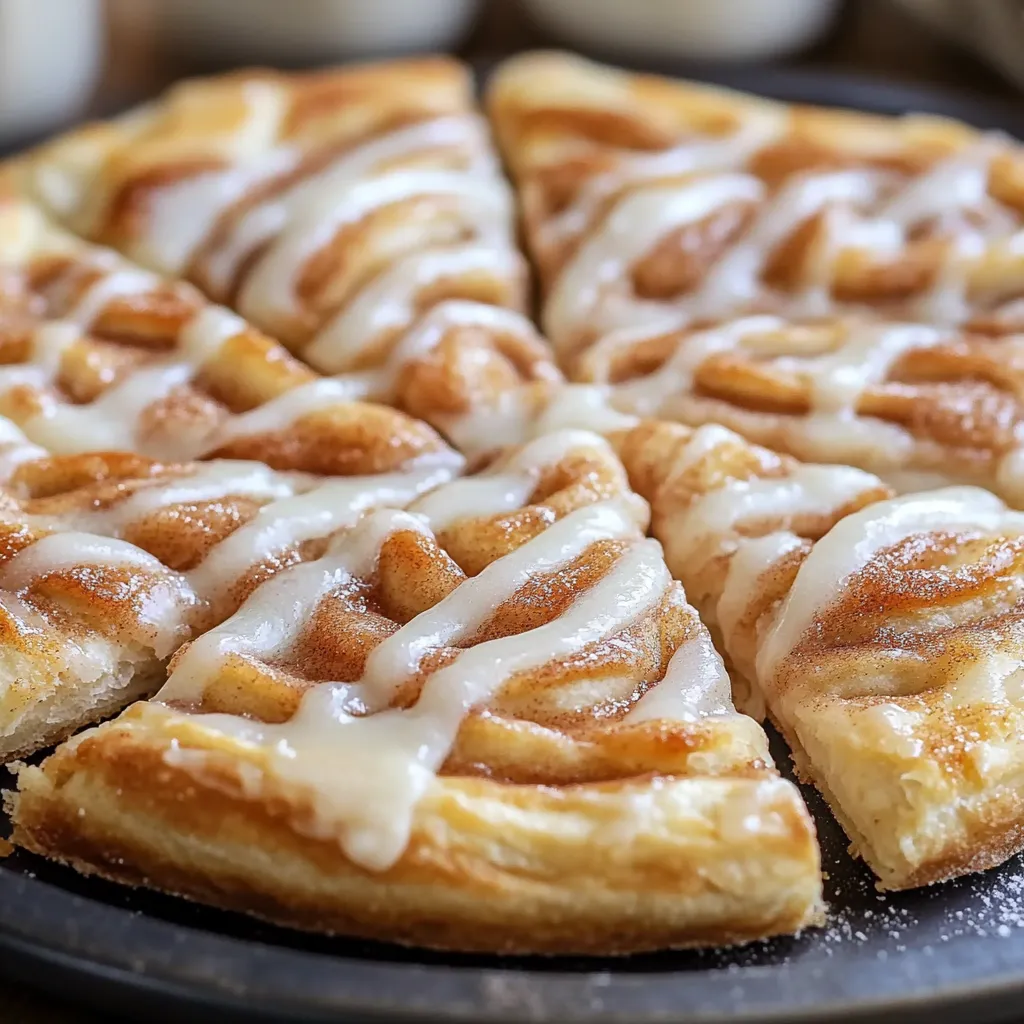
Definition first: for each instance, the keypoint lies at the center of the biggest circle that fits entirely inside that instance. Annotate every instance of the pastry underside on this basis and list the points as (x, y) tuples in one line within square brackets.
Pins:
[(884, 635), (110, 561), (697, 204), (100, 355), (919, 405), (491, 722)]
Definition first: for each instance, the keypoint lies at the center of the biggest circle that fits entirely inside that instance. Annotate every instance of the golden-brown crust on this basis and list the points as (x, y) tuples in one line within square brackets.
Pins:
[(890, 698), (994, 832), (464, 883)]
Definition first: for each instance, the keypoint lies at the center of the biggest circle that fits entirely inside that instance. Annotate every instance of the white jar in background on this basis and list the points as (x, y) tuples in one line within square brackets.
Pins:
[(714, 29), (49, 59), (298, 31)]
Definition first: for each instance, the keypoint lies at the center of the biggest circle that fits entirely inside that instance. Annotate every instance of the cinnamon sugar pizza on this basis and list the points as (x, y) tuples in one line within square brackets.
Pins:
[(477, 711), (491, 722), (884, 635), (652, 204)]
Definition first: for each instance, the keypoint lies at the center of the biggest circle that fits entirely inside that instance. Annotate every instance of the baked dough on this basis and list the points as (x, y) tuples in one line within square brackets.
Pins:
[(922, 406), (100, 355), (884, 635), (528, 745), (651, 204), (87, 621), (80, 529), (359, 215)]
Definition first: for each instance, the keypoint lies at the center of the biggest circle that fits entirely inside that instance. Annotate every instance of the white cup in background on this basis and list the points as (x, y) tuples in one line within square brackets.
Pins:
[(714, 29), (301, 31), (49, 59)]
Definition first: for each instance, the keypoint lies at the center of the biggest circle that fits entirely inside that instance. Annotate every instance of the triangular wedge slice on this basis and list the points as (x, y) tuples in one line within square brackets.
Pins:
[(98, 546), (885, 635), (99, 355), (357, 214), (650, 204), (494, 724)]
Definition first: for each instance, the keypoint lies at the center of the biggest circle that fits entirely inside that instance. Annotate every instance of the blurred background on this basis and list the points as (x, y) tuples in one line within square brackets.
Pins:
[(62, 60)]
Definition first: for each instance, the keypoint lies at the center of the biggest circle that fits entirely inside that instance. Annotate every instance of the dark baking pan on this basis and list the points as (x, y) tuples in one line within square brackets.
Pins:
[(949, 952)]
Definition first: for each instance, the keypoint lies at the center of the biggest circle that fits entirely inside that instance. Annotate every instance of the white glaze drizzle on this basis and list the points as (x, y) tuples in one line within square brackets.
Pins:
[(162, 610), (585, 406), (182, 216), (268, 219), (117, 284), (506, 485), (378, 384), (47, 345), (753, 557), (805, 490), (649, 395), (298, 508), (110, 421), (181, 213), (269, 289), (726, 153), (696, 685), (859, 538), (284, 524), (833, 429), (15, 449), (389, 303), (862, 209), (207, 481), (367, 772), (598, 273)]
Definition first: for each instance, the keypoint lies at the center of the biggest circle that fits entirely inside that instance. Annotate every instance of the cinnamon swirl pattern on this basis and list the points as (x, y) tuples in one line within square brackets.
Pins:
[(885, 637), (357, 215), (99, 355), (922, 406), (175, 547), (489, 722), (652, 205)]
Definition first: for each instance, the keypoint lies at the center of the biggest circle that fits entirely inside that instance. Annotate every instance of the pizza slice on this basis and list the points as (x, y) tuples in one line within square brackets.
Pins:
[(491, 722), (651, 204), (884, 634)]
